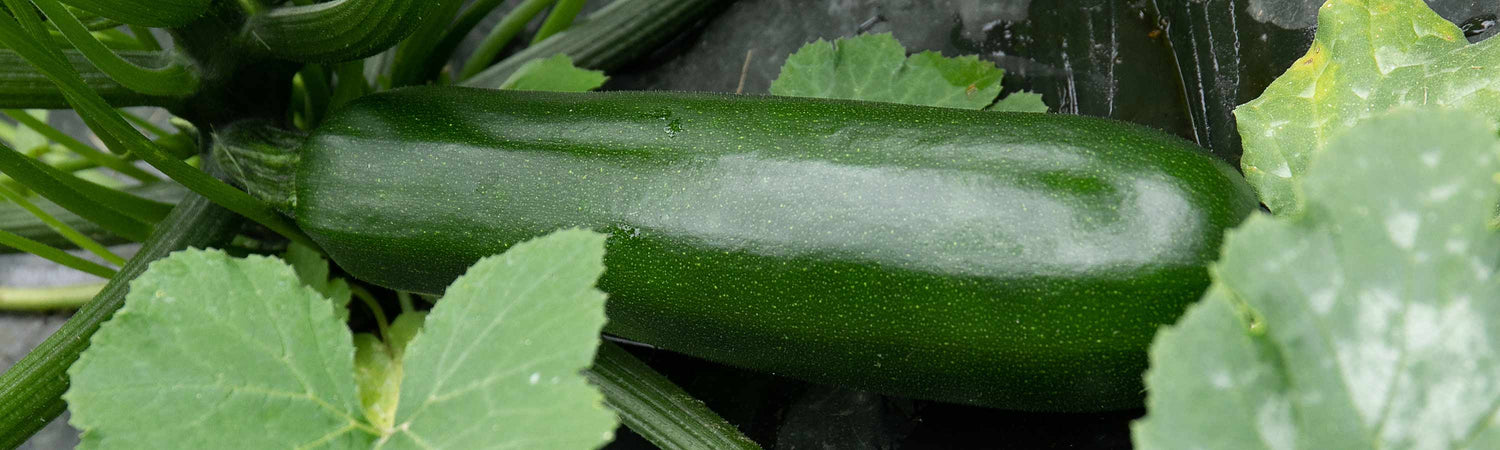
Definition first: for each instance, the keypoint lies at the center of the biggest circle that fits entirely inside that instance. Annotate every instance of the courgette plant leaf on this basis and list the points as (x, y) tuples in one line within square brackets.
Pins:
[(555, 74), (211, 349), (874, 67), (499, 361), (312, 269), (1366, 320), (1367, 57)]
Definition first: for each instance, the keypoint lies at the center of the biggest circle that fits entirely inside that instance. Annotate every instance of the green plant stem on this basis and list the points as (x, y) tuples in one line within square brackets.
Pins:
[(622, 31), (20, 221), (43, 299), (419, 58), (318, 94), (68, 191), (500, 36), (340, 30), (118, 134), (22, 86), (61, 228), (150, 13), (13, 240), (139, 121), (84, 150), (559, 19), (655, 408), (349, 85), (374, 306), (144, 36), (405, 299), (174, 80), (31, 391)]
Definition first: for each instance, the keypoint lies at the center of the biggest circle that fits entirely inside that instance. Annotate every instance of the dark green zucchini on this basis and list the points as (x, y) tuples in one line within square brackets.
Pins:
[(1012, 260)]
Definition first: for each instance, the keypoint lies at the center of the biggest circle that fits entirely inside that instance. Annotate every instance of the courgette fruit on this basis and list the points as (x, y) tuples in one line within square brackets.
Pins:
[(1012, 260)]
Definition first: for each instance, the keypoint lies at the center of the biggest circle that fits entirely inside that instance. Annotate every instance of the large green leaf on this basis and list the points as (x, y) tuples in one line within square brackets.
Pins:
[(498, 361), (211, 350), (1373, 308), (875, 67), (1368, 56)]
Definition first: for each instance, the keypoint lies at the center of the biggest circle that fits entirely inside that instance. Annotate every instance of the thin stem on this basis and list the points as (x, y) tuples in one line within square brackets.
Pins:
[(147, 13), (69, 194), (350, 83), (375, 309), (22, 86), (617, 33), (66, 231), (43, 299), (172, 80), (405, 299), (144, 36), (118, 134), (145, 124), (251, 7), (82, 149), (500, 36), (315, 82), (420, 57), (559, 19), (50, 253), (20, 221)]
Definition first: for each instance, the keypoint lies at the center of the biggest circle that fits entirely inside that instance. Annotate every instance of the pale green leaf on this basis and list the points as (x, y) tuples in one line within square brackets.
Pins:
[(212, 351), (555, 74), (1374, 307), (874, 67), (1020, 102), (498, 362), (312, 269), (1368, 56)]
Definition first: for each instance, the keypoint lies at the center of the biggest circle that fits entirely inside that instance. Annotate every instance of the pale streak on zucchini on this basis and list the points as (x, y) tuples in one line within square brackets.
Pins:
[(31, 391)]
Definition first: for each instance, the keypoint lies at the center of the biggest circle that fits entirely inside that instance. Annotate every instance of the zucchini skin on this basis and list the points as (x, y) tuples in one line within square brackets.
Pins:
[(1012, 260)]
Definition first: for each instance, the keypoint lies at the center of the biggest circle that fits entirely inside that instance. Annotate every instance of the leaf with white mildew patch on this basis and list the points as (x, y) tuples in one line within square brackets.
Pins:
[(1372, 307), (1368, 56)]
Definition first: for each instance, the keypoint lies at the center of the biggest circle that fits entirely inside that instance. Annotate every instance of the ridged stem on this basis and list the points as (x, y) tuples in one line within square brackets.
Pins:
[(622, 31), (335, 31), (657, 409), (150, 13), (22, 86)]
